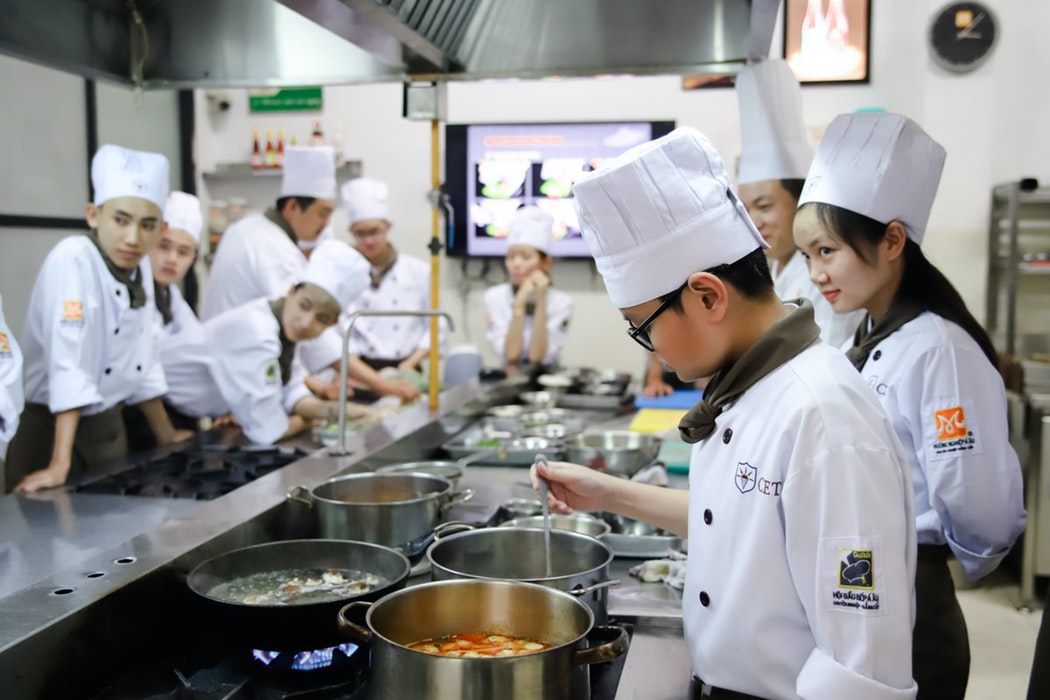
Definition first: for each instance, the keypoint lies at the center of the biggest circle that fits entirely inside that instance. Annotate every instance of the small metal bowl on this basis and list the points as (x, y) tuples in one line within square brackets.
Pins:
[(522, 507), (577, 522), (539, 399)]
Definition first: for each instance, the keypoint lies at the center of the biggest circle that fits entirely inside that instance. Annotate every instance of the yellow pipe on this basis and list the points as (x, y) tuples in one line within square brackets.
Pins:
[(435, 262)]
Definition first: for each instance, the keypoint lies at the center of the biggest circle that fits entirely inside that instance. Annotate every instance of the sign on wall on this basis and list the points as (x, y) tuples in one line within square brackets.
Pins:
[(296, 99)]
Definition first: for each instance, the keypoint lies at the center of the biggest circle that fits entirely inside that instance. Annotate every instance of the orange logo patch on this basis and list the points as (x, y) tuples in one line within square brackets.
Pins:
[(5, 343), (951, 423), (73, 310)]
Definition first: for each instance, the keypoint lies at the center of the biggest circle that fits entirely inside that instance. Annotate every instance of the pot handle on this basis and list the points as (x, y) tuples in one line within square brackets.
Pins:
[(445, 529), (581, 590), (301, 494), (604, 652), (457, 498), (351, 629)]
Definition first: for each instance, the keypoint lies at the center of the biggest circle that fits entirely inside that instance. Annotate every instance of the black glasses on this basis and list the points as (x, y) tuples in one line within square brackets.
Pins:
[(640, 333)]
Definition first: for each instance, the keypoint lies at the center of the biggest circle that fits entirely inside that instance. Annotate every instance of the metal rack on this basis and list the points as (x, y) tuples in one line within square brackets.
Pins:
[(1018, 248)]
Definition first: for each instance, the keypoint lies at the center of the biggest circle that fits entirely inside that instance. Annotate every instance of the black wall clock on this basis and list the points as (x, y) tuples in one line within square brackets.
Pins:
[(962, 36)]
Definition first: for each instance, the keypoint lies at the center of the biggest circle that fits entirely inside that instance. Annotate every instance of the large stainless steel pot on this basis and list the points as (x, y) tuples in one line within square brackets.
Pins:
[(617, 452), (498, 607), (579, 564), (393, 510), (575, 522), (291, 627)]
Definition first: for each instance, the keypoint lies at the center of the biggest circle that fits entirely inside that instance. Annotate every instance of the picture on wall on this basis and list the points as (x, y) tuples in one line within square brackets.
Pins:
[(828, 41)]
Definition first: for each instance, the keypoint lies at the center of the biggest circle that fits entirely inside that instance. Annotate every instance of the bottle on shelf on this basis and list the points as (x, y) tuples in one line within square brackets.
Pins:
[(271, 151), (280, 149), (337, 143), (257, 158), (318, 135)]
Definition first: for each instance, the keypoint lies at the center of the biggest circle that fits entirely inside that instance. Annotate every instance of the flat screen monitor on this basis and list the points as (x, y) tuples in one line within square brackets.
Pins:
[(493, 169)]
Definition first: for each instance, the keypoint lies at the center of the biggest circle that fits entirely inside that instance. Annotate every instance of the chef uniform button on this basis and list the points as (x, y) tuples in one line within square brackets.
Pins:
[(108, 370), (877, 355), (708, 516), (705, 599), (116, 331), (727, 435), (138, 368), (118, 292)]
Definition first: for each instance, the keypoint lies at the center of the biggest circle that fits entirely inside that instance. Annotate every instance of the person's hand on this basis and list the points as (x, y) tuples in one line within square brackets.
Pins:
[(573, 487), (407, 366), (223, 421), (401, 388), (178, 436), (43, 479), (656, 386), (540, 281)]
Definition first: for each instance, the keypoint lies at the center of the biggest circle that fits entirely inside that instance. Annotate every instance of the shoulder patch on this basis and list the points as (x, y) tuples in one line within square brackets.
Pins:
[(5, 344), (272, 374), (950, 430), (852, 576)]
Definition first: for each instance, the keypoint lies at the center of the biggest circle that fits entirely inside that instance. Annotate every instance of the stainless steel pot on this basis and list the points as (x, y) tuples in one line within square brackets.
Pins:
[(446, 469), (617, 452), (388, 509), (579, 564), (576, 522), (500, 607)]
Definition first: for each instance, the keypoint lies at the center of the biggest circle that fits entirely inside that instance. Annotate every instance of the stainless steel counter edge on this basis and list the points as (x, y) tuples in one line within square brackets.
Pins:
[(49, 600)]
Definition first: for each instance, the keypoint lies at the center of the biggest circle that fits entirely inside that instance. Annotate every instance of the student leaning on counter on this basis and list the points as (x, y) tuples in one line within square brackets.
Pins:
[(244, 361), (89, 342), (933, 368), (799, 510), (526, 318)]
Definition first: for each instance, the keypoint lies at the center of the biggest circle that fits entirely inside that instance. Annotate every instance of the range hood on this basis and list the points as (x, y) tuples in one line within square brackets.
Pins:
[(256, 43)]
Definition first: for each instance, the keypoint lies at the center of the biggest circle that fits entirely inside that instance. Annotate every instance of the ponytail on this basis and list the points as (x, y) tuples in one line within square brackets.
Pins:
[(921, 283)]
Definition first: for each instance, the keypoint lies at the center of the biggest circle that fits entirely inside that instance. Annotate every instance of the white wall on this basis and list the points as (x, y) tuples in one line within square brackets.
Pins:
[(991, 122)]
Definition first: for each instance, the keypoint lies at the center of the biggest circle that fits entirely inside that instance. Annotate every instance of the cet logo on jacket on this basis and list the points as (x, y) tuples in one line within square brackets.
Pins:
[(746, 477), (954, 431)]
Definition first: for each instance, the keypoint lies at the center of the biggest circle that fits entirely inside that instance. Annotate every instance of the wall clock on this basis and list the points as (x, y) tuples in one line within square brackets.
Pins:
[(962, 36)]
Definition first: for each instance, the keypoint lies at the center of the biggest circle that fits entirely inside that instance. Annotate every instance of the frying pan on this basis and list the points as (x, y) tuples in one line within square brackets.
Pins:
[(292, 627)]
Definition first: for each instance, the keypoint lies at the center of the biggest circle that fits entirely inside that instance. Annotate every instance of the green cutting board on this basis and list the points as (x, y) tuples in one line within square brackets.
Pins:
[(675, 454)]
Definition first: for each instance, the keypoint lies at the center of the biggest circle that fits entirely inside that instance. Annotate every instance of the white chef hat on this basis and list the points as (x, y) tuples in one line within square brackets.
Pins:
[(309, 171), (183, 212), (337, 268), (533, 227), (365, 198), (660, 212), (881, 165), (121, 172), (773, 138)]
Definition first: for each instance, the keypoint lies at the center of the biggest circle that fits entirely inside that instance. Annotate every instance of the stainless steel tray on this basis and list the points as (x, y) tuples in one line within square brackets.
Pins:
[(503, 449), (591, 402), (643, 546)]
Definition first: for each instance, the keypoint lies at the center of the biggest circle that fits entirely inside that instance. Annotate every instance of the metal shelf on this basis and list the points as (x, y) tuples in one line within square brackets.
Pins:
[(239, 172)]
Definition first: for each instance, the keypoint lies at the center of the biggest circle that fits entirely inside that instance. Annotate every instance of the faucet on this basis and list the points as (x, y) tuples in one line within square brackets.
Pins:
[(346, 351)]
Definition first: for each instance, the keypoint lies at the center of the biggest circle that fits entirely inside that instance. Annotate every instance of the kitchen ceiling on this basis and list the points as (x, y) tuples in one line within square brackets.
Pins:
[(255, 43)]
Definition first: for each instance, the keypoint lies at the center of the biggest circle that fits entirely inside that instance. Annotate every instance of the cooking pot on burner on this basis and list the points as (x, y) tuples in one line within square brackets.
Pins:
[(495, 607)]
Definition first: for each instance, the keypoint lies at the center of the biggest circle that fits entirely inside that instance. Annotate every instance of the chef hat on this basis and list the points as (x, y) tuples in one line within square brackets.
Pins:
[(366, 199), (660, 212), (309, 171), (772, 135), (337, 268), (121, 172), (533, 227), (183, 212), (883, 166)]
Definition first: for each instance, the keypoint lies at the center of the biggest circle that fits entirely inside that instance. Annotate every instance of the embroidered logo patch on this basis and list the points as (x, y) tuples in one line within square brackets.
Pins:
[(951, 423), (271, 373), (953, 431), (73, 311), (857, 569), (745, 477), (5, 344)]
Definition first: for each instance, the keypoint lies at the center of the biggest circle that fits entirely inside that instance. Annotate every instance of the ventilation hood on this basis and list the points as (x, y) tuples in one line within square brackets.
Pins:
[(255, 43)]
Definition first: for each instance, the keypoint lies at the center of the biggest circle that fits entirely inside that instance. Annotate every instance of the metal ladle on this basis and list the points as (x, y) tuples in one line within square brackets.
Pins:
[(544, 487)]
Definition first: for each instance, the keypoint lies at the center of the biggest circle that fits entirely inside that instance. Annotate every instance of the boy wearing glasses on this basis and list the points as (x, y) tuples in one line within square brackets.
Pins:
[(799, 510)]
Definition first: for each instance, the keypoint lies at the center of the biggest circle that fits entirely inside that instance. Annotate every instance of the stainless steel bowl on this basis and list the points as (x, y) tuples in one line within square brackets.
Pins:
[(577, 522), (618, 452), (539, 399)]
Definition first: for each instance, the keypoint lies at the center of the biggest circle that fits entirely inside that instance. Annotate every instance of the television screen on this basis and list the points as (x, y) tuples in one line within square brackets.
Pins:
[(493, 169)]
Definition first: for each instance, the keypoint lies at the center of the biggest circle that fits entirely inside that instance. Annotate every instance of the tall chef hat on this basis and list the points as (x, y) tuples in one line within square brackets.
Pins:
[(773, 138), (183, 212), (309, 171), (337, 268), (121, 172), (660, 212), (883, 166), (365, 198), (533, 227)]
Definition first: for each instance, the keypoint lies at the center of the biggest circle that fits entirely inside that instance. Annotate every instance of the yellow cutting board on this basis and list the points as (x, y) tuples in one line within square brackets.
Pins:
[(656, 420)]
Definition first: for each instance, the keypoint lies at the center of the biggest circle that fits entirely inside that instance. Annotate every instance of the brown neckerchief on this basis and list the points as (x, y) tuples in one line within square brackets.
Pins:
[(132, 279), (162, 297), (784, 340), (379, 271), (284, 361), (277, 219), (868, 335)]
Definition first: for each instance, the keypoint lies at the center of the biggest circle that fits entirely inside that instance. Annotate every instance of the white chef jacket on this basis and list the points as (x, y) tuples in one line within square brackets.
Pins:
[(405, 287), (797, 498), (793, 282), (12, 398), (182, 316), (84, 346), (256, 259), (948, 405), (229, 364), (499, 309)]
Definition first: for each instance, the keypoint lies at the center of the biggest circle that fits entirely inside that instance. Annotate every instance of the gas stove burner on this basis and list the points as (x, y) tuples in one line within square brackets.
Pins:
[(306, 660)]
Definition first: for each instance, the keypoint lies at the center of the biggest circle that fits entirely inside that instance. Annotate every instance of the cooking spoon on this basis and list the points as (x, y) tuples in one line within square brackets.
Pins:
[(542, 459)]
